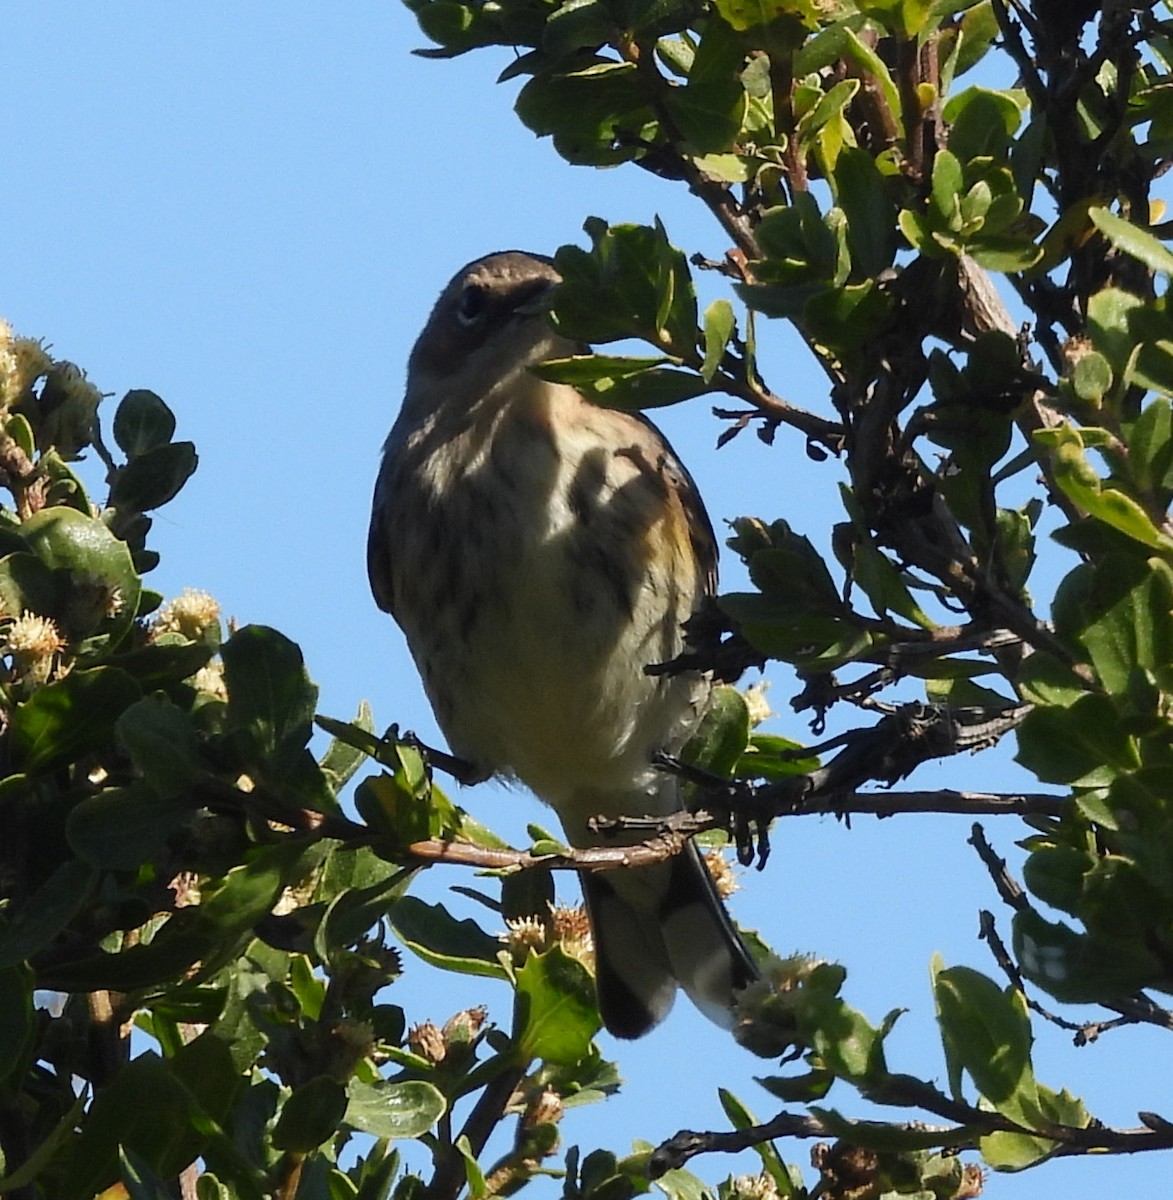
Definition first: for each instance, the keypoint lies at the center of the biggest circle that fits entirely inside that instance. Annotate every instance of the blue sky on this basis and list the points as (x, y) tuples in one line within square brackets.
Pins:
[(249, 208)]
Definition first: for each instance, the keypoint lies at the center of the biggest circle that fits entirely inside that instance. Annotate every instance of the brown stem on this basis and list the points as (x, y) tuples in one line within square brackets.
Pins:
[(109, 1046), (21, 476), (486, 1115), (290, 1177), (785, 126)]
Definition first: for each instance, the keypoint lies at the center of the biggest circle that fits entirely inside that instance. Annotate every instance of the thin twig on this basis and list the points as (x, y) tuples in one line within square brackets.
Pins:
[(1009, 889), (1085, 1031)]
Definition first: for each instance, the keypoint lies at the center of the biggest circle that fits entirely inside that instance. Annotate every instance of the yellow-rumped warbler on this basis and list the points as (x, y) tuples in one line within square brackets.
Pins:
[(538, 552)]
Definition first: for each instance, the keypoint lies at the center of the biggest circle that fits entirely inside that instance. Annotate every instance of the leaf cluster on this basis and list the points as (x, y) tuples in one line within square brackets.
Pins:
[(196, 944)]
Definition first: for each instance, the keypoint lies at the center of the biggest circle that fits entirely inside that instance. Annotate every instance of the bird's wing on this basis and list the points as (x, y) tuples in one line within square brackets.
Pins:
[(379, 547), (704, 540)]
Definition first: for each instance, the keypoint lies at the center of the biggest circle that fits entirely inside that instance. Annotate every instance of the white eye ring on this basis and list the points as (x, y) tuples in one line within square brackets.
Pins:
[(471, 307)]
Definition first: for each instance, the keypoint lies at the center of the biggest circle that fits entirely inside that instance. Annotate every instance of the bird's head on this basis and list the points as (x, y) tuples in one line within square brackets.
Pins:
[(488, 324)]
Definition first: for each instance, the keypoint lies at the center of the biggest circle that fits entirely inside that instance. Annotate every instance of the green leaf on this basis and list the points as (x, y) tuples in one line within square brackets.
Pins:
[(556, 1014), (182, 941), (816, 641), (1152, 366), (311, 1115), (18, 1024), (596, 372), (721, 737), (234, 903), (18, 428), (975, 32), (865, 57), (1150, 449), (355, 910), (1056, 875), (26, 584), (752, 14), (269, 693), (1083, 745), (740, 1118), (161, 741), (103, 585), (405, 806), (441, 940), (862, 193), (1005, 255), (404, 1109), (147, 1110), (1044, 679), (271, 704), (771, 758), (1128, 611), (798, 244), (632, 283), (582, 110), (140, 1181), (70, 717), (1078, 969), (986, 1032), (474, 1176), (905, 18), (169, 659), (1007, 1151), (154, 477), (708, 112), (719, 326), (62, 1133), (982, 122), (1075, 475), (122, 828), (1133, 240), (342, 759), (948, 183), (653, 388), (142, 422), (1092, 378), (1110, 315)]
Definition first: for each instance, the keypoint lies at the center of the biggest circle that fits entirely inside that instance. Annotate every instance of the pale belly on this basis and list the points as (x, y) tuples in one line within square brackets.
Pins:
[(566, 568)]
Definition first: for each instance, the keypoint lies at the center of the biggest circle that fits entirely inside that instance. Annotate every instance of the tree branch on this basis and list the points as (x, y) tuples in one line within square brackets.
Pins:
[(974, 1123)]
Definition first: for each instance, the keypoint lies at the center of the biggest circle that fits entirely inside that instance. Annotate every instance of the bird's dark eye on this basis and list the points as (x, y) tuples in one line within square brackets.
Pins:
[(471, 306)]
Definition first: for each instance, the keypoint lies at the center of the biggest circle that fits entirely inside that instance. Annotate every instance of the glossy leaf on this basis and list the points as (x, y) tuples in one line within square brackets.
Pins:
[(1133, 240), (585, 109), (69, 717), (440, 939), (142, 422), (632, 283), (99, 566), (557, 1016), (404, 1109)]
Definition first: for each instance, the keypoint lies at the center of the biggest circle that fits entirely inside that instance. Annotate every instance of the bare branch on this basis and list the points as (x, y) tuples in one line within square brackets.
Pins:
[(972, 1124)]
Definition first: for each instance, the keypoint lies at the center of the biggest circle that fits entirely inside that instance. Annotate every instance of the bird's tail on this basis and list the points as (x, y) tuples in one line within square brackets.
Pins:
[(659, 927)]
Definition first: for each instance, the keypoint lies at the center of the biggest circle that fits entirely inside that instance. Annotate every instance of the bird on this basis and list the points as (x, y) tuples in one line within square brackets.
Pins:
[(539, 552)]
